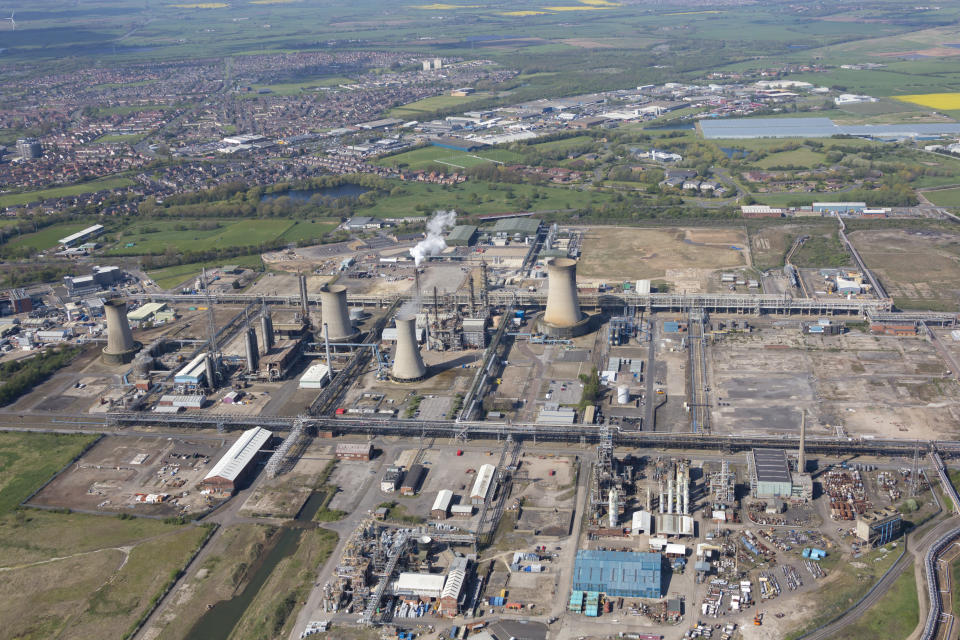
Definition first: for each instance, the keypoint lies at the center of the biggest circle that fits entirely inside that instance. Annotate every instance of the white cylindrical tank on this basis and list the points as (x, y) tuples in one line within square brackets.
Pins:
[(266, 330), (120, 347), (623, 394), (336, 317), (407, 362), (563, 306)]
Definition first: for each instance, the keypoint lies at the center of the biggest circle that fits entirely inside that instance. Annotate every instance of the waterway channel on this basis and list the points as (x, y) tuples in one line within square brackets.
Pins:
[(218, 622)]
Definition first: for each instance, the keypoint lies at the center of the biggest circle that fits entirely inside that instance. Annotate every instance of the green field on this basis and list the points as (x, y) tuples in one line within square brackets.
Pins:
[(480, 198), (307, 230), (172, 276), (944, 197), (427, 106), (12, 199), (132, 138), (801, 157), (28, 460), (293, 88), (241, 233), (428, 157), (47, 237), (895, 615)]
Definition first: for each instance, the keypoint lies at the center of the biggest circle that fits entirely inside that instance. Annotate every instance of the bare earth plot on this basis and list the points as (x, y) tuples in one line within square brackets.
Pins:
[(920, 269), (626, 253)]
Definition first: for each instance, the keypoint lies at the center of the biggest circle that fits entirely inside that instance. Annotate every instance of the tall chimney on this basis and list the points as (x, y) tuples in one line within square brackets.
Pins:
[(253, 355), (121, 346), (802, 458), (563, 307), (407, 363), (304, 301), (266, 329), (336, 316)]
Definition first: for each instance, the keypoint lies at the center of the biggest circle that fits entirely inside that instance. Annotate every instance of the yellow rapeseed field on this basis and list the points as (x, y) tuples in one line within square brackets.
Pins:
[(940, 101), (576, 8)]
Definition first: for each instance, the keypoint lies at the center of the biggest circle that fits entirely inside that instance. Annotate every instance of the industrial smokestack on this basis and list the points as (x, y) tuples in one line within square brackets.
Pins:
[(253, 354), (802, 458), (211, 368), (563, 307), (266, 329), (336, 316), (304, 301), (121, 346), (407, 363)]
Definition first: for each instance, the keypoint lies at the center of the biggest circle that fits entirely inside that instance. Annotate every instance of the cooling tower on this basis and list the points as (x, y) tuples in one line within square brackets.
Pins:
[(253, 355), (563, 308), (120, 347), (266, 329), (407, 363), (335, 314)]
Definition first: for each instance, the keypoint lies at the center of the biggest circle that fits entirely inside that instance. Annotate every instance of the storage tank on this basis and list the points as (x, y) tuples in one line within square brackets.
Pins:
[(121, 346), (407, 362), (266, 330), (252, 353), (623, 394), (563, 306)]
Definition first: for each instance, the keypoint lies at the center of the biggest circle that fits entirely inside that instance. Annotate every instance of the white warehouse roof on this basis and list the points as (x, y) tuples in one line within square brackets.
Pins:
[(481, 486), (444, 498), (422, 584), (238, 456)]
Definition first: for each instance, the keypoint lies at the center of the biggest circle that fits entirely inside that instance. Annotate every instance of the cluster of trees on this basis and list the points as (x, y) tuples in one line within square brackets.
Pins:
[(22, 376)]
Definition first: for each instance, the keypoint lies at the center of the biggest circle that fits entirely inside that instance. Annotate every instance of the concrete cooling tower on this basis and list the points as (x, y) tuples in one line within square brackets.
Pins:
[(407, 363), (335, 314), (563, 317), (121, 346)]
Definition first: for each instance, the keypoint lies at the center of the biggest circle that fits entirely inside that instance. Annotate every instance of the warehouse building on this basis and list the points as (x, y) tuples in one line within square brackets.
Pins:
[(419, 585), (81, 236), (769, 473), (625, 574), (146, 313), (391, 479), (442, 504), (354, 451), (516, 228), (315, 377), (462, 235), (239, 462), (879, 527), (412, 480), (481, 486)]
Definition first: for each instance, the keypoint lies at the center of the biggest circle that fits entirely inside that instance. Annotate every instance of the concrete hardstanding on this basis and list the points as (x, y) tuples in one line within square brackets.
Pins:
[(336, 316), (563, 307), (407, 362), (120, 347)]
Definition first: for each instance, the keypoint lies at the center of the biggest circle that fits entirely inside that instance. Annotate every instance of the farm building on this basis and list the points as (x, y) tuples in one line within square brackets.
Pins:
[(626, 574), (354, 451), (236, 465)]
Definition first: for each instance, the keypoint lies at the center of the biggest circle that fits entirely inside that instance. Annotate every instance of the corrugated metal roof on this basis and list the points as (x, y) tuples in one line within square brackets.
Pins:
[(425, 583), (353, 448), (444, 498), (771, 465), (146, 311), (456, 576), (240, 454), (481, 486)]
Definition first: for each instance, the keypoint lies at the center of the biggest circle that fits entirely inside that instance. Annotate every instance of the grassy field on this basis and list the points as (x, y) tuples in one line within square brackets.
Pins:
[(293, 88), (821, 251), (919, 269), (11, 199), (274, 609), (420, 108), (222, 573), (28, 460), (769, 246), (47, 237), (474, 197), (845, 585), (132, 138), (172, 276), (944, 197), (241, 233), (427, 157), (308, 230), (895, 615), (95, 575)]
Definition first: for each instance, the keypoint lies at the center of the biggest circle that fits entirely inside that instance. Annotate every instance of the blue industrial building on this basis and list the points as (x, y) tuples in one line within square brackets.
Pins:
[(625, 574)]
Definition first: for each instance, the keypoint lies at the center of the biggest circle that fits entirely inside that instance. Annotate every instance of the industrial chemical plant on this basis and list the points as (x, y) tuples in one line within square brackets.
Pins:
[(505, 440)]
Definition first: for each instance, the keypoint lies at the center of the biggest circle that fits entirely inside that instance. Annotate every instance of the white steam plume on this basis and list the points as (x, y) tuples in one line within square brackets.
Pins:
[(434, 243)]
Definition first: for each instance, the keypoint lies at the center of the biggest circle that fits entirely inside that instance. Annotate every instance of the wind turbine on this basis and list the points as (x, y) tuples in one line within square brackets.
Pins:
[(13, 23)]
